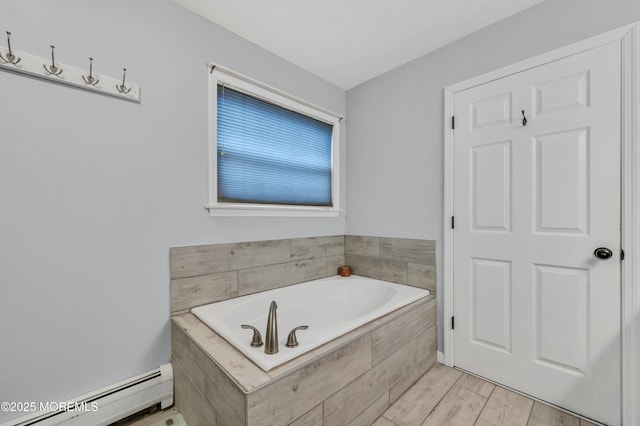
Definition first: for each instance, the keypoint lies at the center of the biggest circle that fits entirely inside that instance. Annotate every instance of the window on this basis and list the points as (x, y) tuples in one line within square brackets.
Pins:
[(270, 154)]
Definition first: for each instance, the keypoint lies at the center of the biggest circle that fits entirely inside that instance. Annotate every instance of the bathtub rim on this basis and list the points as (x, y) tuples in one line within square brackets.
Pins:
[(193, 328), (402, 295)]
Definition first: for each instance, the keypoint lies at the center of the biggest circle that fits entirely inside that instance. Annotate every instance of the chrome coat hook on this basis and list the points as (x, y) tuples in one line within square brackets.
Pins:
[(121, 87), (524, 119), (52, 69), (90, 79), (11, 58)]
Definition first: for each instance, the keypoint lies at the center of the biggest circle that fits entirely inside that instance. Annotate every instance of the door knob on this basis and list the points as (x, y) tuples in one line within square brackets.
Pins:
[(602, 253)]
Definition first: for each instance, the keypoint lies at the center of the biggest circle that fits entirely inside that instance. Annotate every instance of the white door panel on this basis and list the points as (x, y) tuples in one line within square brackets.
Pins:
[(534, 309), (490, 112), (491, 303), (561, 326), (566, 92), (561, 205), (491, 187)]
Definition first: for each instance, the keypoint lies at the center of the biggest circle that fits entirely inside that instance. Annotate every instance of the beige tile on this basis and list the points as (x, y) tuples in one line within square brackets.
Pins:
[(458, 407), (544, 415), (209, 259), (423, 276), (315, 354), (505, 408), (416, 404), (224, 395), (383, 422), (333, 263), (310, 248), (380, 269), (253, 280), (347, 338), (445, 396), (586, 423), (400, 331), (375, 410), (187, 293), (312, 417), (294, 394), (474, 384), (190, 402), (188, 354), (349, 402), (246, 373), (362, 246), (412, 376), (220, 421), (409, 250), (428, 341)]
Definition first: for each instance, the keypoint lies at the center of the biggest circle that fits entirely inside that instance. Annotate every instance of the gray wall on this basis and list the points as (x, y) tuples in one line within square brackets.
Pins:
[(395, 121), (94, 190)]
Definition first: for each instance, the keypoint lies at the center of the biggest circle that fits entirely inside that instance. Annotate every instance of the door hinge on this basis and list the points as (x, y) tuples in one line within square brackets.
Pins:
[(621, 255), (453, 122), (453, 323), (453, 222)]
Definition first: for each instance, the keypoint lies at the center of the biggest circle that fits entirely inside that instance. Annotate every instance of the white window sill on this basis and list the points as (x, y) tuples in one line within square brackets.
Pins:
[(255, 210)]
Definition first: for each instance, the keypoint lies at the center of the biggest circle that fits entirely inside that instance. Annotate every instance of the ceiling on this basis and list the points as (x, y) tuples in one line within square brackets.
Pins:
[(347, 42)]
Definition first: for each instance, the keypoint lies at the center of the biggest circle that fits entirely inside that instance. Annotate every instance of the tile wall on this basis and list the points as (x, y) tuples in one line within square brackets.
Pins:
[(399, 260), (210, 273)]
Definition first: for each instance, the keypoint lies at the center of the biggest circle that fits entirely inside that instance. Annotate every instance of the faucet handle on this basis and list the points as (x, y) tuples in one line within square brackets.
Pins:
[(256, 341), (292, 340)]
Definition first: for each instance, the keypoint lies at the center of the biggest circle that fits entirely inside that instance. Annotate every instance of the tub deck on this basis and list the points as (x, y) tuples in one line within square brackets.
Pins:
[(358, 374), (330, 307)]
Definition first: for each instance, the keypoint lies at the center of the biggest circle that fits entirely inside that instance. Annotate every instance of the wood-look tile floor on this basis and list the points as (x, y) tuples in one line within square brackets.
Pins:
[(448, 397), (445, 396)]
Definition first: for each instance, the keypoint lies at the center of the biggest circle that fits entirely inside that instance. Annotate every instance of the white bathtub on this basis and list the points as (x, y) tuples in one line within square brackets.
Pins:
[(330, 307)]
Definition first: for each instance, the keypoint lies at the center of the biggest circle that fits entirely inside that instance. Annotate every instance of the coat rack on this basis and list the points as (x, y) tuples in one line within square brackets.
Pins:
[(51, 70)]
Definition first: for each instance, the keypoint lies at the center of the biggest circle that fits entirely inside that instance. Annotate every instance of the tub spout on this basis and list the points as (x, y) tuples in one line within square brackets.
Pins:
[(271, 340)]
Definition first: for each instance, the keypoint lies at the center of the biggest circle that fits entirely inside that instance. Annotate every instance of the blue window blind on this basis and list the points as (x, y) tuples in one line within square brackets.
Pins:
[(271, 155)]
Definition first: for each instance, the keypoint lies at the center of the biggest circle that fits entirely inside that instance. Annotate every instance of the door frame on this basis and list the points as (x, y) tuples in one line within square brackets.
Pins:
[(629, 38)]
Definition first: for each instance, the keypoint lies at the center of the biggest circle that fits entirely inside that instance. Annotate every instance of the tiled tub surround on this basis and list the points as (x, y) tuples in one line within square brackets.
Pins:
[(329, 307), (350, 380), (210, 273), (399, 260)]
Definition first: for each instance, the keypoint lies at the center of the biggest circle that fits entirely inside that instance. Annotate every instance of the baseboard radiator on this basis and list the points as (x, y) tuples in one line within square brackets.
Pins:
[(107, 405)]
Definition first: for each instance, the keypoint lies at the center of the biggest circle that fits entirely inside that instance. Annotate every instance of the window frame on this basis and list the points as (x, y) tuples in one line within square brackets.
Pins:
[(219, 75)]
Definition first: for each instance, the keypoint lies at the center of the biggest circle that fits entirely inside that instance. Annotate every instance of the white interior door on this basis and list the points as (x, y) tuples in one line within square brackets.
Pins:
[(534, 308)]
